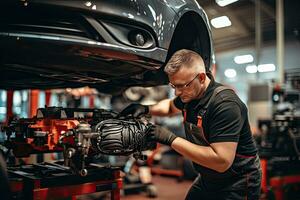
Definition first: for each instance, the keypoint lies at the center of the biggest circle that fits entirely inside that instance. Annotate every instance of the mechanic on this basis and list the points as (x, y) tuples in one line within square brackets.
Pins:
[(218, 136)]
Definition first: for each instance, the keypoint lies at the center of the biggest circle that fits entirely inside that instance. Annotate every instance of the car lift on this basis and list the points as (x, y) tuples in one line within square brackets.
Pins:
[(276, 183)]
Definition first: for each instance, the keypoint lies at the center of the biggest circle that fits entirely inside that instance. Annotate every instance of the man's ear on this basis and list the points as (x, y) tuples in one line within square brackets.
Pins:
[(202, 77)]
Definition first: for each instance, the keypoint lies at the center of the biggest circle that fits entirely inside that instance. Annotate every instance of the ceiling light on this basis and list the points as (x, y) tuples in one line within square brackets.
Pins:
[(2, 110), (3, 96), (243, 59), (266, 68), (230, 73), (88, 3), (223, 3), (220, 22), (251, 69)]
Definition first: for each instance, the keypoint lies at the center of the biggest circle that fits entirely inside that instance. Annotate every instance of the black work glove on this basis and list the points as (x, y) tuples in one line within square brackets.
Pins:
[(135, 109), (162, 135)]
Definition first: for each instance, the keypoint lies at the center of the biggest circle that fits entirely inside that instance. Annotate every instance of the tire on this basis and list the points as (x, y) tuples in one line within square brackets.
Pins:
[(151, 191)]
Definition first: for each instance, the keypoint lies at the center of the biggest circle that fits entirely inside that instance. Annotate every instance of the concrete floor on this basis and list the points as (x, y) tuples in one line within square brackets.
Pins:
[(168, 188)]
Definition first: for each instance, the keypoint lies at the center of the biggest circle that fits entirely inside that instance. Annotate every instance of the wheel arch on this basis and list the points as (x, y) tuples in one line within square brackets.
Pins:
[(192, 32)]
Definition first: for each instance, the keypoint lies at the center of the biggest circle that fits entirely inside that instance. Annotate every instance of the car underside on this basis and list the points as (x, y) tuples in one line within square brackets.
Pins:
[(103, 45)]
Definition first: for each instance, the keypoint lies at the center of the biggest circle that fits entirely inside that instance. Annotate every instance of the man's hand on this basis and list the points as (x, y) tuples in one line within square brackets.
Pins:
[(162, 135), (136, 110)]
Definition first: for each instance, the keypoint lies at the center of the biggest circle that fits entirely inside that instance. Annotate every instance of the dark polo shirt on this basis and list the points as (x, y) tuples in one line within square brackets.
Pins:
[(226, 118)]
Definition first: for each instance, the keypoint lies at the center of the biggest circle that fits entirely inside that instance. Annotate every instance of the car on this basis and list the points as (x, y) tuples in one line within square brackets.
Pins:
[(103, 44)]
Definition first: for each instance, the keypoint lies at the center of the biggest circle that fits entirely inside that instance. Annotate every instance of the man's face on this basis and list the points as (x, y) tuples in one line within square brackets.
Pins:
[(187, 84)]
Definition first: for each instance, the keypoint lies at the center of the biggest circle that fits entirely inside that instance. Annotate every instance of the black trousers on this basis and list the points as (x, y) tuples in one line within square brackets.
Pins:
[(246, 187)]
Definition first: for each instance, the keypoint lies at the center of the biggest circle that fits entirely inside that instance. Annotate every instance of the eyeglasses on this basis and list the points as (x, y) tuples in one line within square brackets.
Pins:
[(180, 87)]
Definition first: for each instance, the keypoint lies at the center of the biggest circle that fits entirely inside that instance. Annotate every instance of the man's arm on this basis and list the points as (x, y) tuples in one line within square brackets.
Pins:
[(165, 107), (225, 125), (218, 156)]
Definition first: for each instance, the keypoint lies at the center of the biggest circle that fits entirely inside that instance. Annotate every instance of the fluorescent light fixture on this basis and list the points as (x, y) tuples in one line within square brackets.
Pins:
[(223, 3), (251, 69), (266, 68), (88, 3), (243, 59), (230, 73), (220, 22), (3, 96), (2, 110)]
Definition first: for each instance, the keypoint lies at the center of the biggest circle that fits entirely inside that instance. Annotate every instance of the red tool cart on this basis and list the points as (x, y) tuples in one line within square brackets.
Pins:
[(49, 181)]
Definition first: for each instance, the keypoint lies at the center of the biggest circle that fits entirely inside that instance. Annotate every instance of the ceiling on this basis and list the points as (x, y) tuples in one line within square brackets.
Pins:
[(242, 15), (239, 39)]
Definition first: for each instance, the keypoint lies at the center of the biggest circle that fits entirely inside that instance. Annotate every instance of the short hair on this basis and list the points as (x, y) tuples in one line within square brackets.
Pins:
[(182, 57)]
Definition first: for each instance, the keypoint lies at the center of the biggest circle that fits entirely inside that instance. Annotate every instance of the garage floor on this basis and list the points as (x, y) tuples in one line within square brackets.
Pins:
[(168, 188)]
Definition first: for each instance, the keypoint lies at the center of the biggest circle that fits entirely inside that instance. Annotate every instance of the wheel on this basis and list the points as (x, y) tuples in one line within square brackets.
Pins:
[(151, 191)]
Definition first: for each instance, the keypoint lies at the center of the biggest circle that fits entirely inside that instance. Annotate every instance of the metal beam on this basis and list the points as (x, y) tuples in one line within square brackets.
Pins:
[(280, 39), (257, 31)]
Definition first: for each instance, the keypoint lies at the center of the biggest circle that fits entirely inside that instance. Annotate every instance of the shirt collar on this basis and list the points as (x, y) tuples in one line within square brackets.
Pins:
[(206, 95)]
